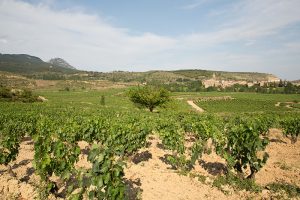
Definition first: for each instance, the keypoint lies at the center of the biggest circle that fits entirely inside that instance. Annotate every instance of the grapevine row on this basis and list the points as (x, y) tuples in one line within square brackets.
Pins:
[(114, 136)]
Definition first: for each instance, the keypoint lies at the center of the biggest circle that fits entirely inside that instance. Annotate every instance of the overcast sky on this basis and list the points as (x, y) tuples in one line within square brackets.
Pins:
[(140, 35)]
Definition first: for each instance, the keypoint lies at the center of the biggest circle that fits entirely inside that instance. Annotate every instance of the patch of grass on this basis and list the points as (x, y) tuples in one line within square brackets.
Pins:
[(236, 183), (296, 105), (283, 104), (283, 166), (180, 163), (15, 196), (42, 190), (290, 189), (200, 177)]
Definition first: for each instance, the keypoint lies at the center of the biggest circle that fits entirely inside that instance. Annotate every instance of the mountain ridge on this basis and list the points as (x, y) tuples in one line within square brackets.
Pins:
[(27, 64), (58, 68), (61, 63)]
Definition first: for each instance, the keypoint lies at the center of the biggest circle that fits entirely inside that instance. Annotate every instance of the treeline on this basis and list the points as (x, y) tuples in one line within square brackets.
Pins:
[(182, 85), (282, 87), (47, 76)]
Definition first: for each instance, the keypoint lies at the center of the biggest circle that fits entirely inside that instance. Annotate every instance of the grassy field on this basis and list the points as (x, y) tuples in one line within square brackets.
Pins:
[(88, 102), (242, 102)]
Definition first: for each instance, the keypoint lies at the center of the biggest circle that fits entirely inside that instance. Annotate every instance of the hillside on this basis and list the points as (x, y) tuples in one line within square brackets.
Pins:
[(222, 75), (59, 69), (27, 64), (8, 79), (178, 76), (59, 62)]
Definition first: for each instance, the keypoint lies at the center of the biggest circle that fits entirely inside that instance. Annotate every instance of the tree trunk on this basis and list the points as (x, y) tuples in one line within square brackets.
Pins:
[(151, 108), (238, 167), (239, 170), (252, 174)]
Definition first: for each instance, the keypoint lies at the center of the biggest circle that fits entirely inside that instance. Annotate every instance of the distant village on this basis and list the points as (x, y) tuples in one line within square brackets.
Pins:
[(214, 82)]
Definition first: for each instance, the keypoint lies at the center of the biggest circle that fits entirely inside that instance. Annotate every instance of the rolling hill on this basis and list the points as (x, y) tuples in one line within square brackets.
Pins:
[(179, 76), (26, 64), (57, 69)]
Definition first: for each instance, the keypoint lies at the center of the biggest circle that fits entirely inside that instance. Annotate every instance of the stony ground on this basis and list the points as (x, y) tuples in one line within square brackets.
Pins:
[(150, 177)]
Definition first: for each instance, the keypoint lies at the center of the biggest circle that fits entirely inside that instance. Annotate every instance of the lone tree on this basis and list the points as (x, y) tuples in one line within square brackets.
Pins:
[(149, 96)]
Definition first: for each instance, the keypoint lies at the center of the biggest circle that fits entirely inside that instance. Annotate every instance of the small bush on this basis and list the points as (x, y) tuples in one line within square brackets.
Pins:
[(236, 182), (25, 95), (5, 93), (291, 190)]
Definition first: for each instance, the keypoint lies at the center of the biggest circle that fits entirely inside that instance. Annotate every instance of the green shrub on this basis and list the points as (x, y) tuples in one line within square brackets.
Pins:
[(243, 143), (291, 190), (149, 96), (236, 182)]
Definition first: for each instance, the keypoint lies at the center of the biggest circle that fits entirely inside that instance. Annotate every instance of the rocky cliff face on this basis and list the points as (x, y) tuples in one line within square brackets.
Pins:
[(60, 63)]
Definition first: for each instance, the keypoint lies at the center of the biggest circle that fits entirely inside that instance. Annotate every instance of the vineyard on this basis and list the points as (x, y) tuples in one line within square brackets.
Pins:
[(119, 137)]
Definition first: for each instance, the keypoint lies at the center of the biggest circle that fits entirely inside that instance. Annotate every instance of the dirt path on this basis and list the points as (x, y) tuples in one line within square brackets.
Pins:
[(277, 104), (195, 106)]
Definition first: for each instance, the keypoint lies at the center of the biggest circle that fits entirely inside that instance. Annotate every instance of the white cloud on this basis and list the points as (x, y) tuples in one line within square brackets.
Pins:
[(251, 19), (193, 5), (82, 39), (250, 43), (88, 41)]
